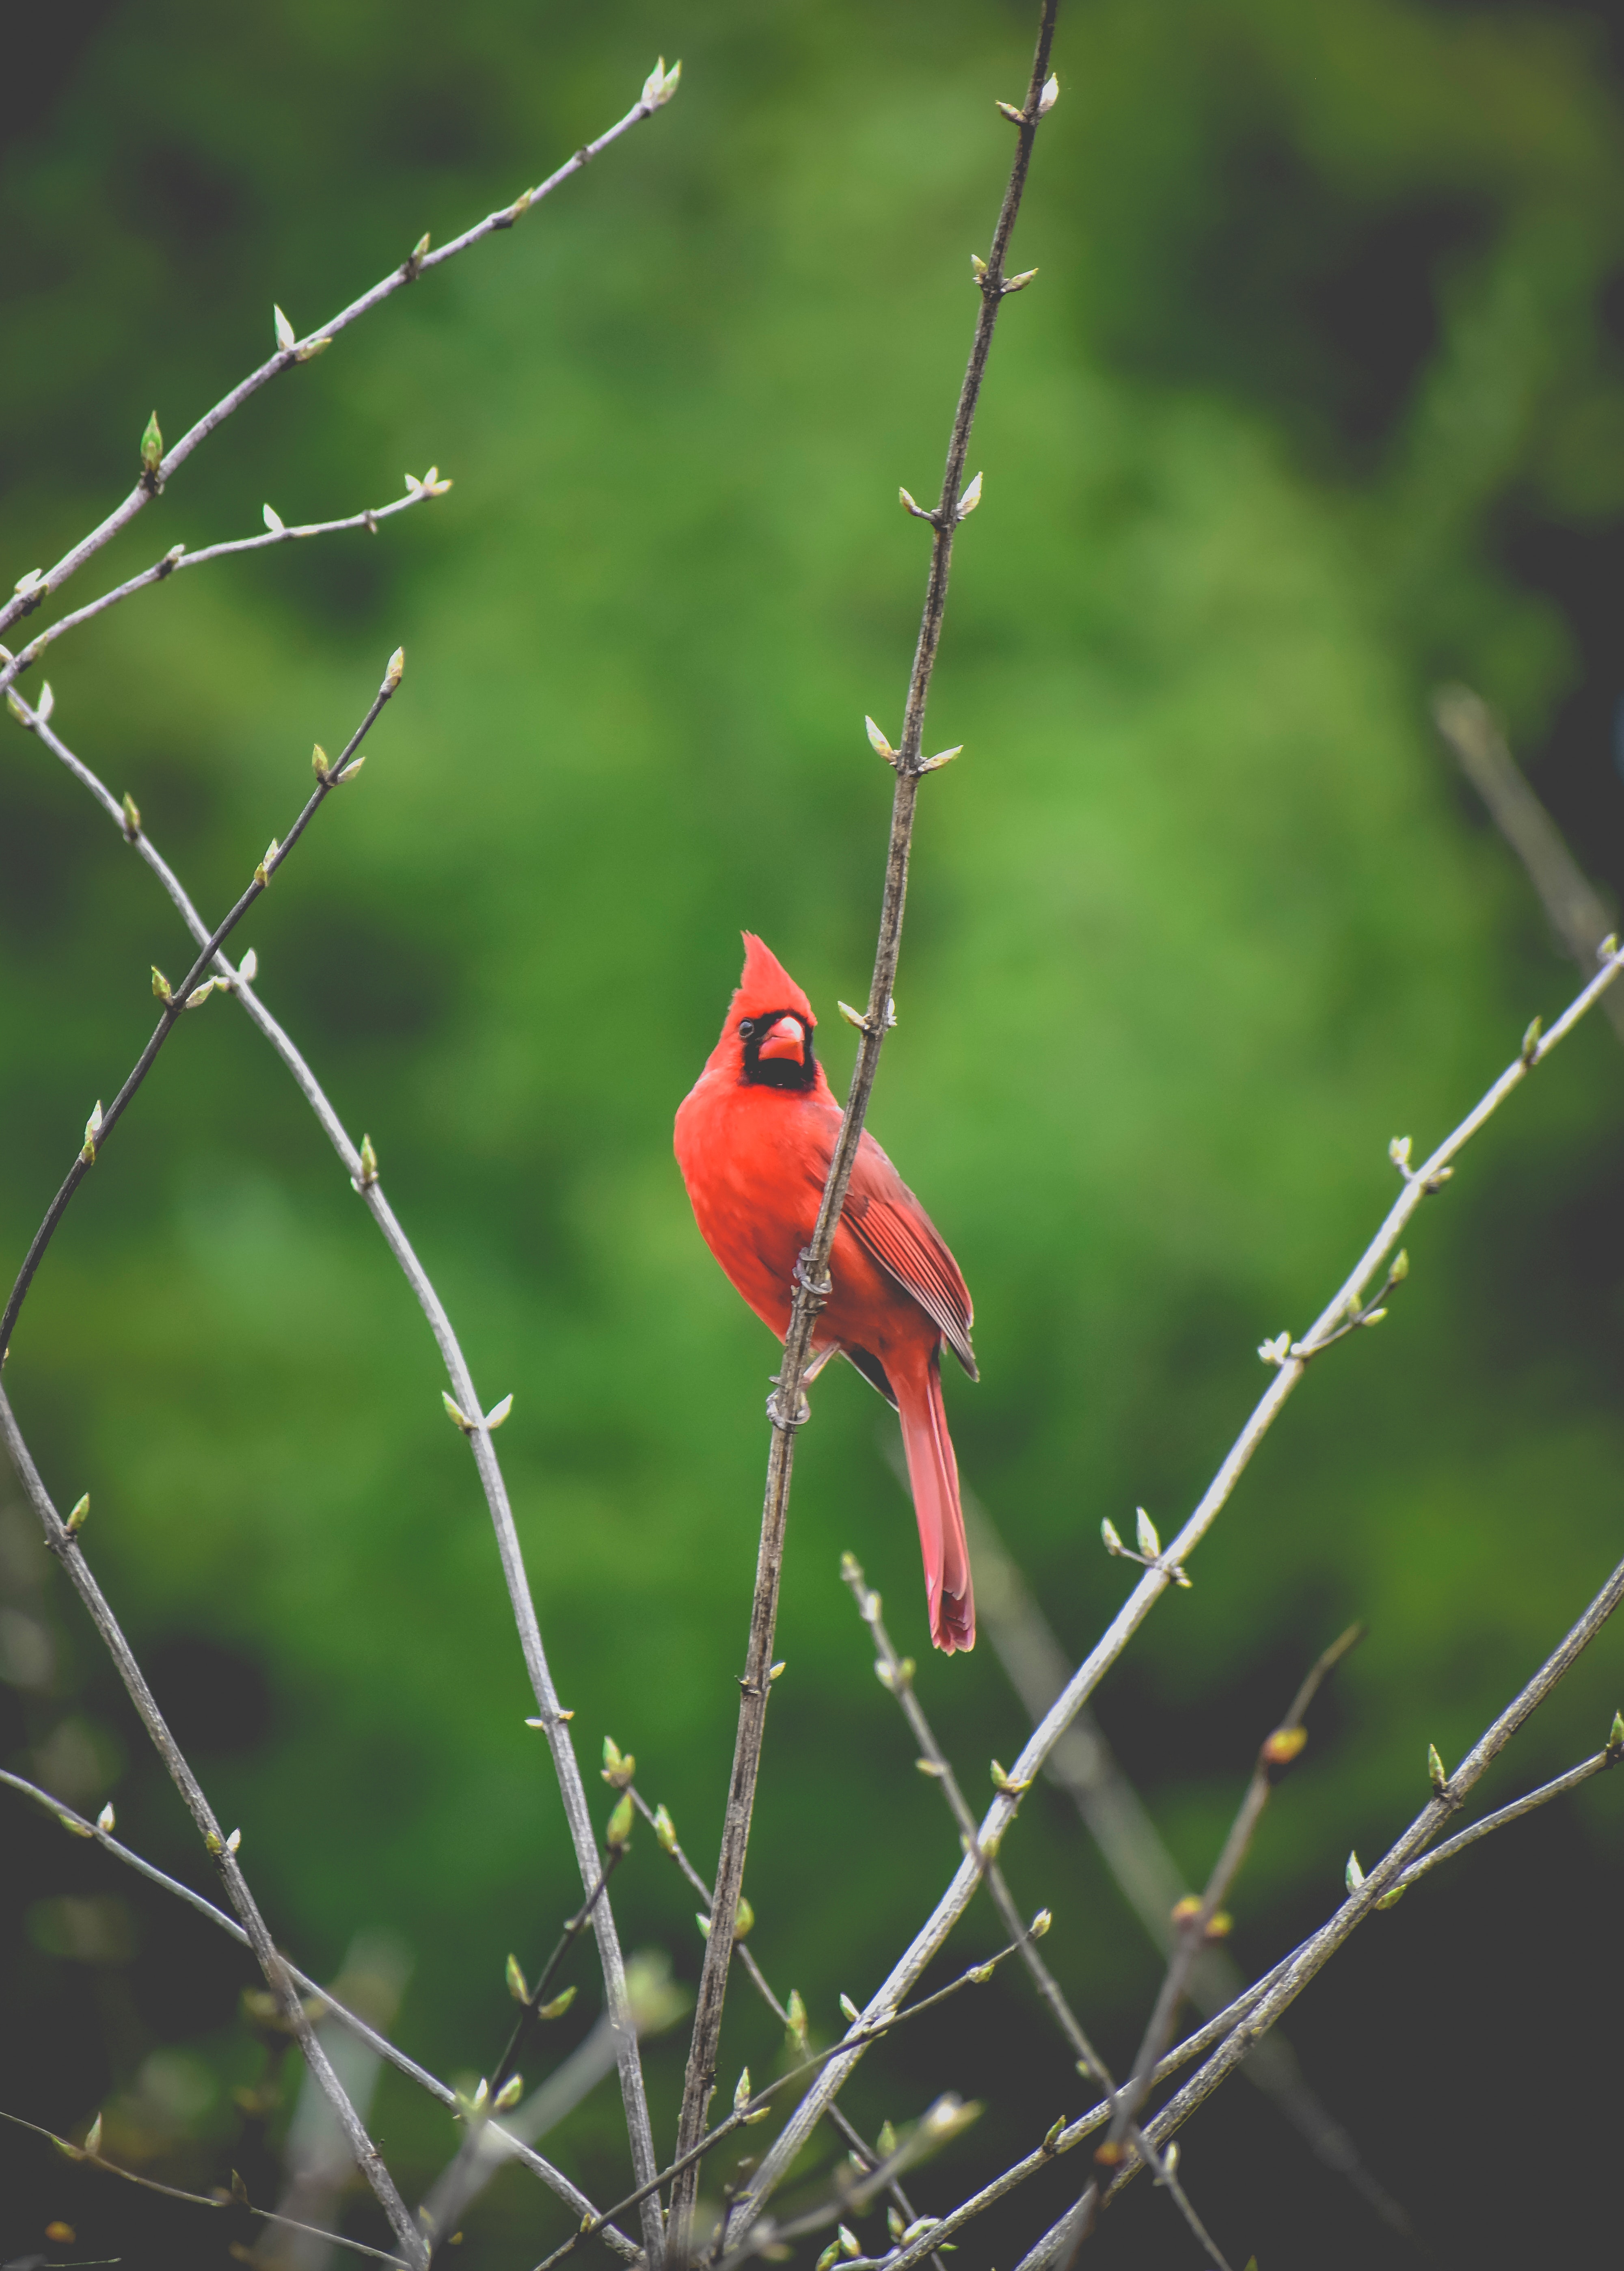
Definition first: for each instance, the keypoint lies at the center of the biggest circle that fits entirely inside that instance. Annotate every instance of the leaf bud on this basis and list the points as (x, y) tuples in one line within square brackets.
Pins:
[(517, 1985), (247, 969), (664, 1830), (1015, 118), (1050, 95), (850, 2245), (397, 669), (979, 1974), (618, 1767), (741, 2091), (284, 329), (1018, 283), (1353, 1876), (319, 761), (92, 2137), (971, 498), (885, 2143), (1149, 1544), (559, 2005), (456, 1415), (878, 742), (1108, 1534), (619, 1831), (1398, 1152), (497, 1413), (132, 818), (1530, 1040), (1391, 1900), (894, 2223), (850, 2009), (199, 994), (508, 2096), (105, 1819), (46, 703), (1284, 1745), (1053, 2137), (151, 446), (977, 266), (1435, 1774), (830, 2257), (944, 757), (795, 2019), (744, 1917), (1615, 1736), (79, 1516), (1040, 1923), (262, 872), (160, 985), (93, 1128)]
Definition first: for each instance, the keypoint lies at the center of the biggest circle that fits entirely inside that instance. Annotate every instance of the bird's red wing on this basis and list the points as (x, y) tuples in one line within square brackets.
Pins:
[(889, 1221)]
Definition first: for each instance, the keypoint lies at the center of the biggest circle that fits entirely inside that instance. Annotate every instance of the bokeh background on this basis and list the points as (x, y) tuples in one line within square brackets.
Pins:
[(1319, 400)]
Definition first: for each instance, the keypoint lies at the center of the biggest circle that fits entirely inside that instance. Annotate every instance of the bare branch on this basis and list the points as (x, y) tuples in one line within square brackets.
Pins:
[(377, 2043), (216, 2201), (65, 1543), (1083, 1766), (1291, 1360), (553, 1719), (1575, 910), (192, 993), (657, 93), (812, 1275), (178, 558)]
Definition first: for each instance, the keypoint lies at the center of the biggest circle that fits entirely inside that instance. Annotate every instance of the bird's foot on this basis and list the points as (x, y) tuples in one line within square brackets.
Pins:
[(775, 1412)]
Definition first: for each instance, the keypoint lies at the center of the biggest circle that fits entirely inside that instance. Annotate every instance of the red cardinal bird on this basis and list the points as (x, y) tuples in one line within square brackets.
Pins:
[(753, 1141)]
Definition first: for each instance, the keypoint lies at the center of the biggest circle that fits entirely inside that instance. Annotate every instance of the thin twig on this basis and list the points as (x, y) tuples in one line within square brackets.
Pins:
[(178, 557), (380, 2045), (661, 1822), (1368, 1893), (1576, 911), (1291, 1360), (192, 991), (749, 2109), (65, 1543), (361, 1167), (897, 1675), (241, 2202), (812, 1285), (658, 91), (1082, 1765)]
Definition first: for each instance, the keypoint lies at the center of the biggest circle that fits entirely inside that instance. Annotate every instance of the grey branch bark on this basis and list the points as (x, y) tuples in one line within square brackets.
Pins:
[(366, 1182), (64, 1544)]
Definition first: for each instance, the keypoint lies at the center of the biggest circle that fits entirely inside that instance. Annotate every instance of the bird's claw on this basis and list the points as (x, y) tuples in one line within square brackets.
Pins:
[(803, 1409)]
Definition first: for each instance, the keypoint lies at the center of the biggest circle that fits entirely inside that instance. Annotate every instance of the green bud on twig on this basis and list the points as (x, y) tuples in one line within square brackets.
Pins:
[(1053, 2137), (559, 2005), (92, 2137), (517, 1985), (619, 1831), (795, 2019), (664, 1830), (1435, 1774), (849, 2243), (105, 1819), (618, 1767), (971, 498), (274, 521), (93, 1128), (151, 446), (878, 742), (132, 818), (830, 2257), (1531, 1041), (284, 334), (508, 2096), (369, 1162), (79, 1516), (1615, 1737), (741, 2091), (1353, 1876), (850, 2008), (1150, 1542), (1050, 95), (160, 985), (319, 761), (1015, 118)]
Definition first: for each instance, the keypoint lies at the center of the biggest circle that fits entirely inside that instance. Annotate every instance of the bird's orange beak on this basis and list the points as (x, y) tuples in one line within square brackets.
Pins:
[(787, 1038)]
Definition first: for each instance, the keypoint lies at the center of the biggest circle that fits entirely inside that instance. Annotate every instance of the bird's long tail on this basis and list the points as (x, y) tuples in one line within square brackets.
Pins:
[(933, 1471)]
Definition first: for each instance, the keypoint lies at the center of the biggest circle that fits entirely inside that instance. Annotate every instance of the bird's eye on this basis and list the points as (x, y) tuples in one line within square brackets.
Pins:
[(746, 1026)]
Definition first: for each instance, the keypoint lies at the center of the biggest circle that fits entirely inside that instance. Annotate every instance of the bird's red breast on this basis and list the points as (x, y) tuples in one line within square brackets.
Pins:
[(754, 1140)]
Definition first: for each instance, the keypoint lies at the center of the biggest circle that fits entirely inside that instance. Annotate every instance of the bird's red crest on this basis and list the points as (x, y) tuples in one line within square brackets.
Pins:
[(764, 984)]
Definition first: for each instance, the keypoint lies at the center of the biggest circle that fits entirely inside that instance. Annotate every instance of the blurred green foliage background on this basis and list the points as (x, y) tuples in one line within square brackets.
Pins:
[(1319, 399)]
